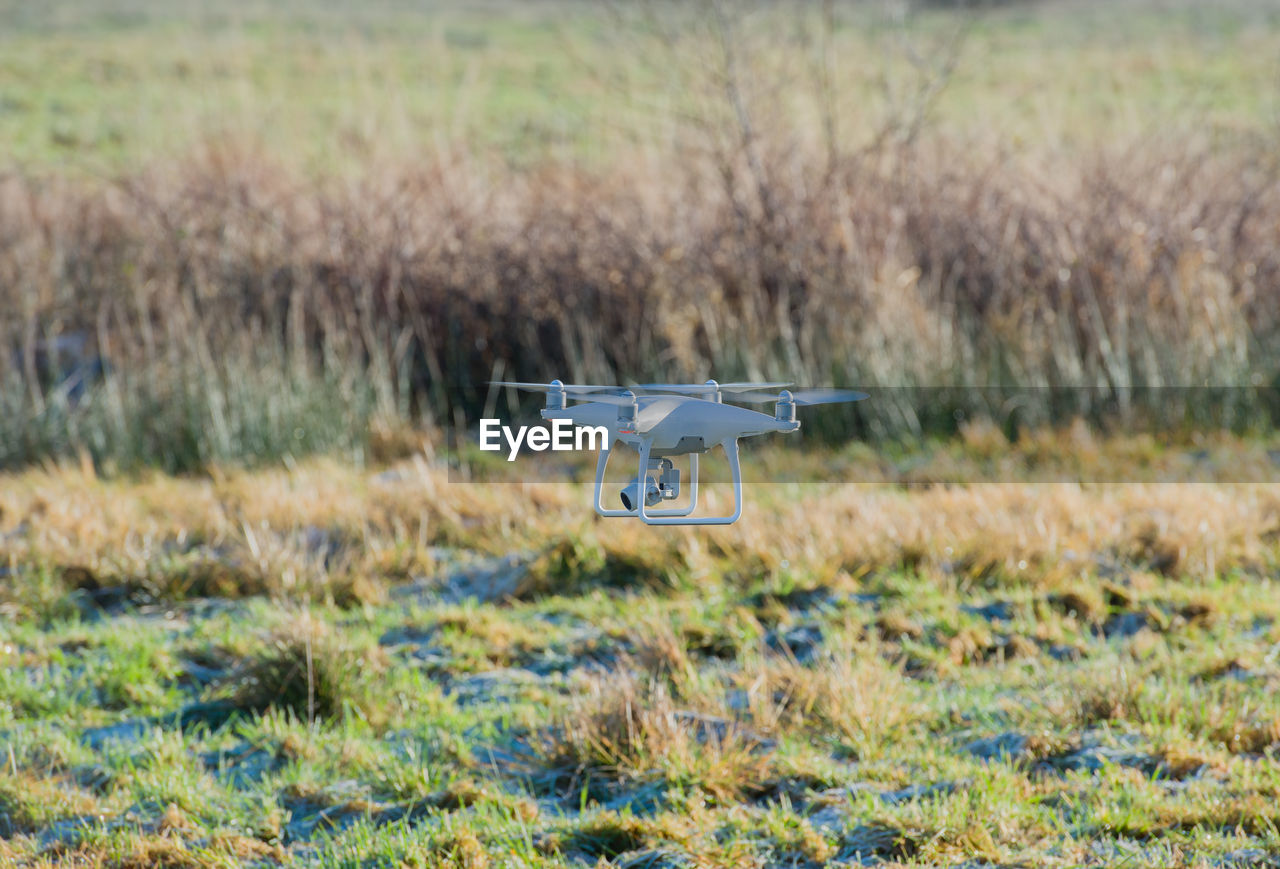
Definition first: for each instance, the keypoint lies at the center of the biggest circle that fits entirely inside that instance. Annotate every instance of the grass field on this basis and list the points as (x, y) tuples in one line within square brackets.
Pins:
[(258, 259), (99, 88), (328, 667)]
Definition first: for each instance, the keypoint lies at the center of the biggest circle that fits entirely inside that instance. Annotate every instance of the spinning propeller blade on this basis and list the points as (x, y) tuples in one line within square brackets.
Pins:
[(743, 392), (803, 397), (699, 388), (747, 387), (580, 391)]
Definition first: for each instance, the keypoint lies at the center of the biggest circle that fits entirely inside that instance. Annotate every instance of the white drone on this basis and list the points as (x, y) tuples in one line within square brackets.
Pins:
[(661, 420)]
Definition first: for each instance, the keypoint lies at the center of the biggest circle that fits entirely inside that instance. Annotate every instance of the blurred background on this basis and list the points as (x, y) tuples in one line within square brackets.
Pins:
[(257, 230)]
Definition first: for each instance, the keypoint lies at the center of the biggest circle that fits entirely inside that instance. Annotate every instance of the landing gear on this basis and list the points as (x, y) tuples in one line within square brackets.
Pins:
[(666, 487)]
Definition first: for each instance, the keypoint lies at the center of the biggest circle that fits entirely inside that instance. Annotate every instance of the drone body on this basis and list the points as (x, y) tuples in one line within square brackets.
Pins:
[(664, 420), (674, 425)]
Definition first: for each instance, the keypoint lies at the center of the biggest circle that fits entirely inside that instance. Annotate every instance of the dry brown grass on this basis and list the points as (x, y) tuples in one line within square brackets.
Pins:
[(851, 693), (461, 851), (1041, 535), (324, 532), (1152, 266), (1112, 697), (317, 532), (163, 850), (629, 728)]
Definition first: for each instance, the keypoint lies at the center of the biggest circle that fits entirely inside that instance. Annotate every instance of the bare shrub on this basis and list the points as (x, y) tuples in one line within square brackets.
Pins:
[(236, 305)]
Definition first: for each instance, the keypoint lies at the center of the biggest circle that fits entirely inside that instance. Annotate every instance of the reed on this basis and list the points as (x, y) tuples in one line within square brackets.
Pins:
[(226, 309)]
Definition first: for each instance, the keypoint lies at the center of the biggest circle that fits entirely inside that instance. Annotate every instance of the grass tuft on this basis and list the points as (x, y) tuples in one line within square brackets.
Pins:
[(309, 672), (628, 729)]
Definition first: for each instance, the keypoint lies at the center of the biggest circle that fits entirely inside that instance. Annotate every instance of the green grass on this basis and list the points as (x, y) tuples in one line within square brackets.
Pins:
[(183, 420), (334, 85), (830, 690)]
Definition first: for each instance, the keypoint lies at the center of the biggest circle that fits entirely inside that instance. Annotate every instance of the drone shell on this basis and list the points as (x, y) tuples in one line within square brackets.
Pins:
[(676, 424), (691, 421)]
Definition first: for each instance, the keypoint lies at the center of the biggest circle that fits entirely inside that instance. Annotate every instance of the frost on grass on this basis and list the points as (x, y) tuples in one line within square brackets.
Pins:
[(885, 686)]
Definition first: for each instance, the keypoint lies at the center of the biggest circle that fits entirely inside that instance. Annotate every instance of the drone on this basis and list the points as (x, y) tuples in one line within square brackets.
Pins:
[(662, 420)]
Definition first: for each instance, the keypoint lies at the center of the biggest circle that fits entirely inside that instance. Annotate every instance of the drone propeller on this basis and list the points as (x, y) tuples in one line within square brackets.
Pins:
[(699, 388), (802, 397), (583, 392)]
